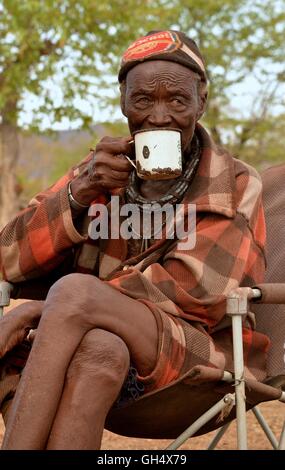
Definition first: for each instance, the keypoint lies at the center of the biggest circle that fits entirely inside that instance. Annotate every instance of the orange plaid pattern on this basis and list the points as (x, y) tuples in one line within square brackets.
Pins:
[(190, 284)]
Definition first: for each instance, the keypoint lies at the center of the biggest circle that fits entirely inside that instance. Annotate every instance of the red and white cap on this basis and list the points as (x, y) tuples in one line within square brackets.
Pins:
[(170, 45)]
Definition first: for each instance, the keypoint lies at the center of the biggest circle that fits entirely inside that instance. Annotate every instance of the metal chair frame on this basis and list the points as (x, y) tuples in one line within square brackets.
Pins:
[(237, 308)]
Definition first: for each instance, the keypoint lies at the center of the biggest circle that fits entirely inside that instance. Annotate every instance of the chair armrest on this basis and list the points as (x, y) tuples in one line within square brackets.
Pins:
[(268, 293), (36, 289), (5, 294), (271, 293)]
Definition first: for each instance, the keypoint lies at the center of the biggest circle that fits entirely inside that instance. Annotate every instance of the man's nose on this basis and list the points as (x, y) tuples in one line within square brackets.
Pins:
[(160, 115)]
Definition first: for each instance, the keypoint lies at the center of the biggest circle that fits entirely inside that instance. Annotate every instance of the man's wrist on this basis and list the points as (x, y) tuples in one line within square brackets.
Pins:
[(28, 316), (74, 204)]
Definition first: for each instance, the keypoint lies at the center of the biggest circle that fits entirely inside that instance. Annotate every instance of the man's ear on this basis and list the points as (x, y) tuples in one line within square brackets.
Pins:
[(203, 96), (123, 97)]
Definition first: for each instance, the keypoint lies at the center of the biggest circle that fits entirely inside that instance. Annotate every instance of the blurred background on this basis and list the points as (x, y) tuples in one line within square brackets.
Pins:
[(59, 91)]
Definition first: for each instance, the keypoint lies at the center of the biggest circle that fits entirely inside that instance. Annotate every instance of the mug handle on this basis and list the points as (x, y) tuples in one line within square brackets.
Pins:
[(131, 162)]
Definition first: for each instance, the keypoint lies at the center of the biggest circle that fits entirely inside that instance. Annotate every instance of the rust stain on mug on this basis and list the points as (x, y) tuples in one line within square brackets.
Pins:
[(158, 173)]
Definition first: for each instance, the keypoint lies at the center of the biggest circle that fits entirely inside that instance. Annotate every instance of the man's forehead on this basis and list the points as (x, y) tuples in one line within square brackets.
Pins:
[(160, 70)]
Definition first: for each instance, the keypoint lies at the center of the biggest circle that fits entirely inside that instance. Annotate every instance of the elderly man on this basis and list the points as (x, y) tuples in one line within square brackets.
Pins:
[(124, 308)]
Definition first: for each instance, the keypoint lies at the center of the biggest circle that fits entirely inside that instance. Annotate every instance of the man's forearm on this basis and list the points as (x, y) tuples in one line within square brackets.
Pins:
[(15, 326)]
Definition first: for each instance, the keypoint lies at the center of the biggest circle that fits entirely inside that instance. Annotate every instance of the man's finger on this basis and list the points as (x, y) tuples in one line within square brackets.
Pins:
[(115, 162), (116, 147), (31, 335)]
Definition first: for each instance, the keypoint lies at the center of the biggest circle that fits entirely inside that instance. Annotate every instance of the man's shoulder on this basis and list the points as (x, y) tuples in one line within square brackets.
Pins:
[(248, 189), (230, 180), (248, 184), (245, 169), (219, 158)]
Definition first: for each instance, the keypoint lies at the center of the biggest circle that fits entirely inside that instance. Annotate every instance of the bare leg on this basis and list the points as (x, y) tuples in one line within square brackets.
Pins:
[(75, 304), (93, 382)]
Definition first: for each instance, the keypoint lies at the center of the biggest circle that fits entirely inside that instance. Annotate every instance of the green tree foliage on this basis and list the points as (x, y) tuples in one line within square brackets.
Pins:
[(76, 45), (67, 42), (240, 38)]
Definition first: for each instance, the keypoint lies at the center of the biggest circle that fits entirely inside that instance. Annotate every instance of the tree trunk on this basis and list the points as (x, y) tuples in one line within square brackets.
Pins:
[(9, 150)]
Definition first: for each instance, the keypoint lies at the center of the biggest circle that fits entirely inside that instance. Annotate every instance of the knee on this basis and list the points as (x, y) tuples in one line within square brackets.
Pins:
[(72, 288), (73, 296), (100, 355)]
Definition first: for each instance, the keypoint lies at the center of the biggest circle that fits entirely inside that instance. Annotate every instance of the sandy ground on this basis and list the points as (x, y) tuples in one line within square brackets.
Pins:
[(273, 412)]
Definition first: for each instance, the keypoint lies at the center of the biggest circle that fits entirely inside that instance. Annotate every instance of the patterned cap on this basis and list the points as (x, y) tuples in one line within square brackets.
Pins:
[(173, 46)]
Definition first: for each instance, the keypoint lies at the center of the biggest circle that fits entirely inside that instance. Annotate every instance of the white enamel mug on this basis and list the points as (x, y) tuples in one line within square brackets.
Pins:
[(158, 153)]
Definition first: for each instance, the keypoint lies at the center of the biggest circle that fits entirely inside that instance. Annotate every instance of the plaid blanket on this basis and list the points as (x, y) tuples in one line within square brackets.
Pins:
[(191, 284)]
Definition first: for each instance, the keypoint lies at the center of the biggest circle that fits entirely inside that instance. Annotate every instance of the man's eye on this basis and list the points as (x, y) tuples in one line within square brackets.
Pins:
[(143, 100), (178, 101)]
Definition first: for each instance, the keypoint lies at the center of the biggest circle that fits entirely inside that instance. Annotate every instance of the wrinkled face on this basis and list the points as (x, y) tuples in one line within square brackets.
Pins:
[(160, 93)]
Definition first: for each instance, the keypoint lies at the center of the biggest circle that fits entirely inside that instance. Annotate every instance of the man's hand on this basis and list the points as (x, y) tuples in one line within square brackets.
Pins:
[(15, 325), (109, 169)]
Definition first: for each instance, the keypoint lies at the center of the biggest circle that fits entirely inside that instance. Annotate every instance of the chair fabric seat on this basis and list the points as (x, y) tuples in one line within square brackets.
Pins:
[(167, 412)]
